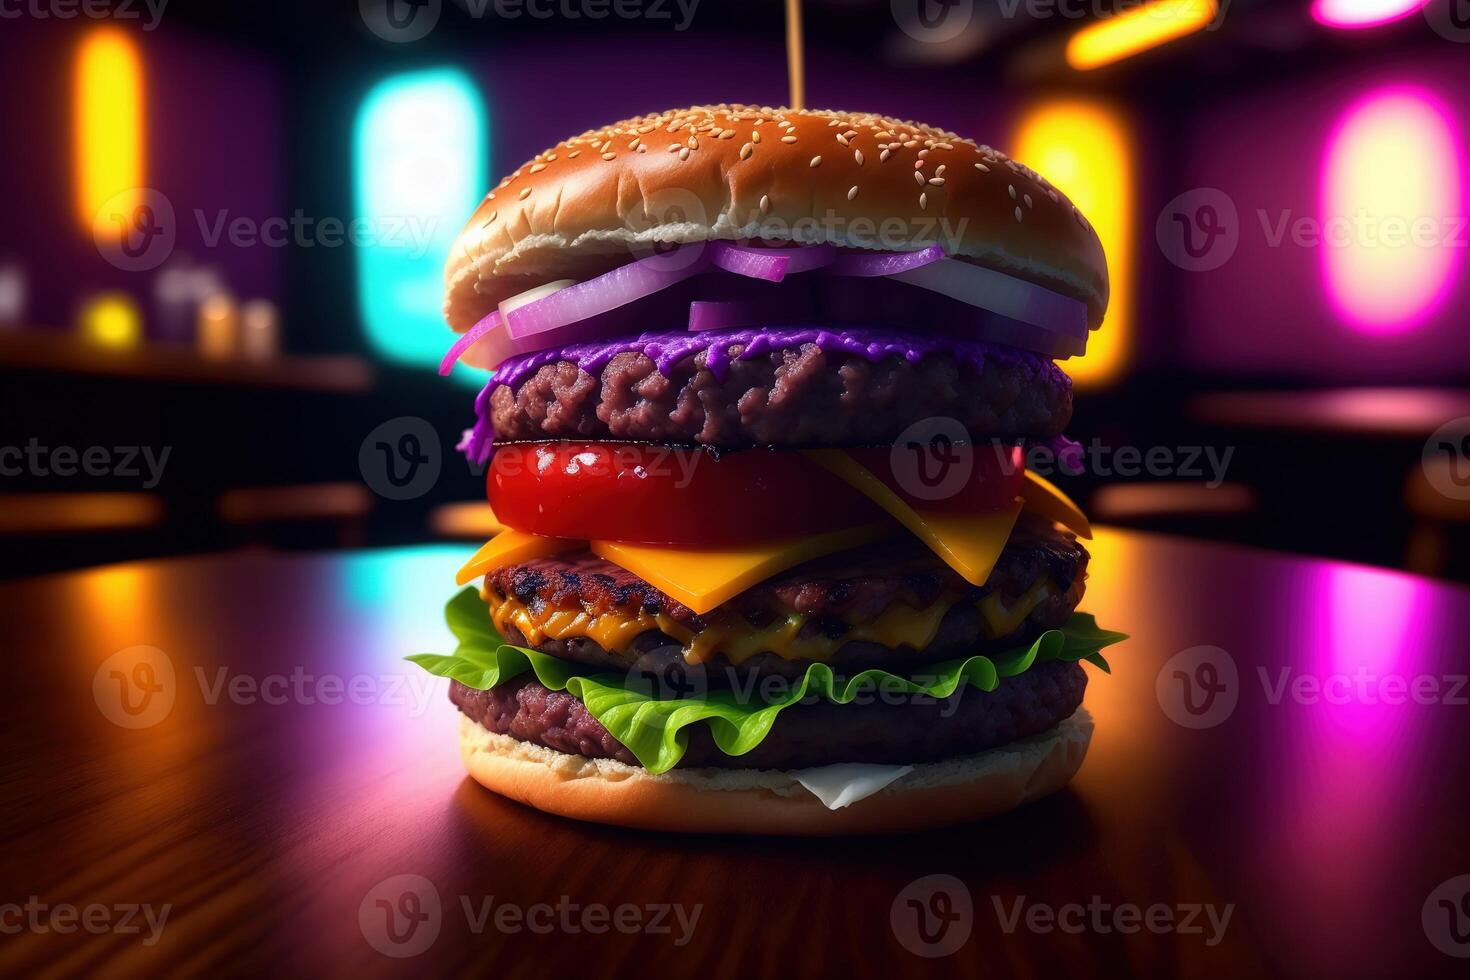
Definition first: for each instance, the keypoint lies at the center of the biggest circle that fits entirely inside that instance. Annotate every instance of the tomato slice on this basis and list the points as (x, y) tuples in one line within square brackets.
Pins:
[(634, 492), (663, 495)]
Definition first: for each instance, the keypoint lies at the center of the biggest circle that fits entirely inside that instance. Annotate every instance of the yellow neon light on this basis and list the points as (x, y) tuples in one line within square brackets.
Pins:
[(1137, 29), (112, 320), (108, 119), (1086, 151)]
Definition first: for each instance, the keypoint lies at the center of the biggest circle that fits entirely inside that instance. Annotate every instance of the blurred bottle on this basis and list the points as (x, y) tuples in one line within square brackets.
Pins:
[(219, 327), (179, 289), (260, 330), (12, 295)]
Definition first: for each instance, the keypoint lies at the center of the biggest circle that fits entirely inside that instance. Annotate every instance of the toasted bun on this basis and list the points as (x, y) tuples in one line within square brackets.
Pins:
[(741, 172), (765, 801)]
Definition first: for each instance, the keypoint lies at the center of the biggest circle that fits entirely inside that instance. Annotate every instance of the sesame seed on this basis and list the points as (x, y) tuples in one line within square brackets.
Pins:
[(536, 168), (884, 155), (816, 160), (1012, 189), (765, 204), (755, 134), (747, 150), (1027, 198), (924, 152), (550, 157), (858, 156), (923, 201), (1018, 214), (918, 178), (525, 193), (684, 153), (982, 168), (788, 139), (673, 147), (609, 156), (852, 192), (936, 181), (910, 144), (842, 139), (939, 170)]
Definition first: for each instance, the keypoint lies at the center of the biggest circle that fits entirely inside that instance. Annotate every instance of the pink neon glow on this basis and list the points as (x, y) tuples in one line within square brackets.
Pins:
[(1391, 210), (1353, 14)]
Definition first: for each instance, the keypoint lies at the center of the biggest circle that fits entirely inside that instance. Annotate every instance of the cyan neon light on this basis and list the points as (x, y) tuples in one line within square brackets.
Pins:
[(420, 151)]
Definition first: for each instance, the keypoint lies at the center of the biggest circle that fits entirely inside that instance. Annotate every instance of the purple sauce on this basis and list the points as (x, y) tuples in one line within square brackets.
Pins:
[(667, 348)]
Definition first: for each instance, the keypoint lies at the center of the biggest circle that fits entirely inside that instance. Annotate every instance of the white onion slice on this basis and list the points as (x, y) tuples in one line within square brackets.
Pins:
[(1015, 298)]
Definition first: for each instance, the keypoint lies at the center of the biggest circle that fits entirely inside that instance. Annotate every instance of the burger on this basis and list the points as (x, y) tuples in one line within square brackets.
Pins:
[(770, 560)]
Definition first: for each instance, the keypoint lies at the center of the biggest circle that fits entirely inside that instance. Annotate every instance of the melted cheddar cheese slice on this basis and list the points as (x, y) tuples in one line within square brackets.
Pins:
[(704, 579), (509, 548), (969, 543)]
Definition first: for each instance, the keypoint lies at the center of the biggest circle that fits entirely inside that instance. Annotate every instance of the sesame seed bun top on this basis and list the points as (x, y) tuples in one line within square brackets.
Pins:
[(739, 172)]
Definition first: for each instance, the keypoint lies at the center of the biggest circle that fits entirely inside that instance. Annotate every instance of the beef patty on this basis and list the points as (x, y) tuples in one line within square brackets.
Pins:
[(892, 605), (792, 396), (890, 730)]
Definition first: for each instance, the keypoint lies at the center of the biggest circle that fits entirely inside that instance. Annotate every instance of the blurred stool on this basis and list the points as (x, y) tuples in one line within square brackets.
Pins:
[(468, 521), (343, 505), (1132, 502), (1438, 498)]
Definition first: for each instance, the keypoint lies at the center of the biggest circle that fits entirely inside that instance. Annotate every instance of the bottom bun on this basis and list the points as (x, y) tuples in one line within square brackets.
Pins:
[(770, 801)]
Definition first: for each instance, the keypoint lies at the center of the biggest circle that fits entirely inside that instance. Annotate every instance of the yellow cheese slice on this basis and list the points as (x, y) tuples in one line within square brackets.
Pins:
[(1047, 499), (705, 578), (968, 543), (509, 547)]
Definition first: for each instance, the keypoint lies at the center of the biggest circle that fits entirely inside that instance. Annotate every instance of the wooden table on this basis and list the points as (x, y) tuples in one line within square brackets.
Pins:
[(301, 767)]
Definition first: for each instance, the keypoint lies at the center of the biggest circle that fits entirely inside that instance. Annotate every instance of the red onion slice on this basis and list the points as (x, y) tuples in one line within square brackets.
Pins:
[(1014, 298), (467, 340), (809, 257), (884, 263), (621, 286), (744, 260)]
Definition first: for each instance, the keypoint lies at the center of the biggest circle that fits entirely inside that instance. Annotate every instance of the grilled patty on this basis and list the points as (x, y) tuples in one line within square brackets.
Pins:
[(841, 610), (891, 730), (794, 396)]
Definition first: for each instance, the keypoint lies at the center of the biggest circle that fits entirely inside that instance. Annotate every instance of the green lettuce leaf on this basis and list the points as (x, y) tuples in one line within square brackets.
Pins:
[(655, 729)]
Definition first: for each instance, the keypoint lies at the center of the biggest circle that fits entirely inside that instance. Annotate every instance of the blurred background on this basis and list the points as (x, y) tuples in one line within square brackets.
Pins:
[(225, 223)]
